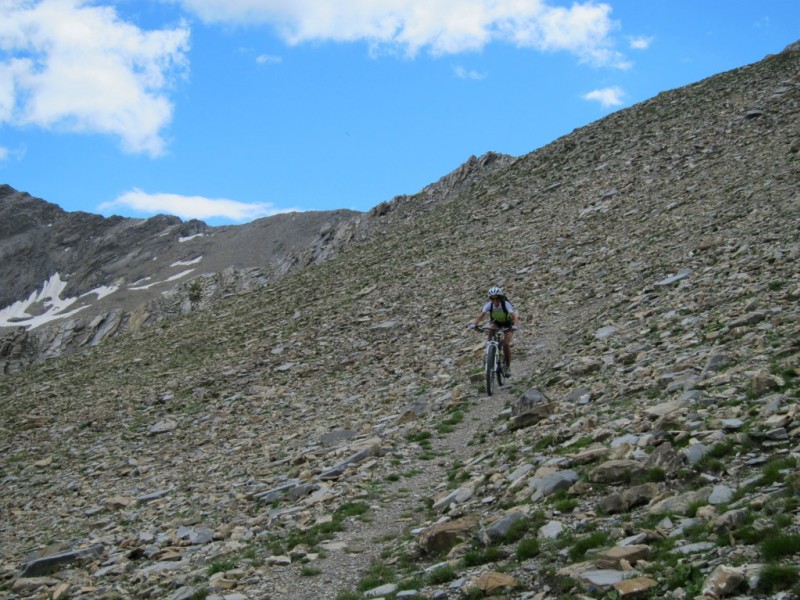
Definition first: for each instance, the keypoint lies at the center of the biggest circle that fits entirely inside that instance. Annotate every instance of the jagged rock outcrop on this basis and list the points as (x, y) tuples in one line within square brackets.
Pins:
[(320, 453)]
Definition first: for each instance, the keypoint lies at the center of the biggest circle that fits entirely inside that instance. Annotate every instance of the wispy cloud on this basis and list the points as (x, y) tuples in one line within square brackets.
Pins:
[(267, 59), (68, 65), (608, 97), (640, 42), (439, 26), (190, 207), (464, 73), (12, 154)]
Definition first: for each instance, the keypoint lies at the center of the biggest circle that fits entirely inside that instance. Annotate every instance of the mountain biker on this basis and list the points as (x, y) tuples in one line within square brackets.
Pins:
[(501, 316)]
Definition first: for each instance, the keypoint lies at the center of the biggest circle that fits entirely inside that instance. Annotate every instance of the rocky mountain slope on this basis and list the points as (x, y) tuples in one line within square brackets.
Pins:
[(327, 435), (68, 280), (71, 279)]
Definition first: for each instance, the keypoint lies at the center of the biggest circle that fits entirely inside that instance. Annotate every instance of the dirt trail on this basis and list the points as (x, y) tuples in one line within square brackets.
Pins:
[(403, 502)]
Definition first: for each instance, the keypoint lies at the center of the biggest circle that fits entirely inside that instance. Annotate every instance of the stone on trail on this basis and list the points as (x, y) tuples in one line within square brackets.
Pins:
[(47, 564)]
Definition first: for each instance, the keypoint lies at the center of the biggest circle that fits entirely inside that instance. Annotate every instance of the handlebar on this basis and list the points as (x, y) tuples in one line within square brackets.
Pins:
[(485, 328)]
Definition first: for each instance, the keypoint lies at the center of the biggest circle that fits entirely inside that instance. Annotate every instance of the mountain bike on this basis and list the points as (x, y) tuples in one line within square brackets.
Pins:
[(493, 359)]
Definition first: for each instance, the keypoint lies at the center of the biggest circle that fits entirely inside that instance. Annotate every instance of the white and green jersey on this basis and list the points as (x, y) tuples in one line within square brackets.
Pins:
[(497, 314)]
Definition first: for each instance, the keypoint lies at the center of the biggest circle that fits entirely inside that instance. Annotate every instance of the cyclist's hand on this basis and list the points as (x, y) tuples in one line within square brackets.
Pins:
[(514, 327)]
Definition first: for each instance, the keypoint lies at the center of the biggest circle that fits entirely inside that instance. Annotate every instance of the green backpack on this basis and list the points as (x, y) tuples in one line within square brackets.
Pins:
[(506, 315)]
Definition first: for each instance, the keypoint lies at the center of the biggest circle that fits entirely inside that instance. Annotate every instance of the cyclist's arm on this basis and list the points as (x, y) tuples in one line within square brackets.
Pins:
[(478, 318)]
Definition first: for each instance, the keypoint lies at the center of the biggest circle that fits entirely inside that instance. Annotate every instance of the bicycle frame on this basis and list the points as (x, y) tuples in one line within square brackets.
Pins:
[(493, 359)]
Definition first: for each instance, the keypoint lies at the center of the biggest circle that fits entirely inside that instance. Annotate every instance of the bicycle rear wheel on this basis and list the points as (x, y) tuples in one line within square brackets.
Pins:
[(499, 366), (491, 366)]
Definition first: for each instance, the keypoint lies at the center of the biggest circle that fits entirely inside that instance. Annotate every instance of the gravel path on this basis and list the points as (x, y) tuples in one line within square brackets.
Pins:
[(402, 505)]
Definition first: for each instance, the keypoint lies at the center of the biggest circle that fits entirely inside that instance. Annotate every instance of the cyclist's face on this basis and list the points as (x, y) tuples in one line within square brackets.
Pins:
[(495, 298)]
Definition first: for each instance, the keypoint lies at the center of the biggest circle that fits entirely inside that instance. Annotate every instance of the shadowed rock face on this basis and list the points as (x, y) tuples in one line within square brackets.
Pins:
[(325, 421)]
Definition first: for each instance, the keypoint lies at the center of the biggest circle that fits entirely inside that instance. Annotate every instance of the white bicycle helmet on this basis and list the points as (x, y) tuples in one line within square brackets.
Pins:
[(495, 291)]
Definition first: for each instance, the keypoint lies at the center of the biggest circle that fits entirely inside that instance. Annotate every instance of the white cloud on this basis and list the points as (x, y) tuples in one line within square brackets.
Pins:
[(641, 42), (608, 97), (70, 65), (463, 73), (266, 59), (190, 207), (440, 26), (15, 154)]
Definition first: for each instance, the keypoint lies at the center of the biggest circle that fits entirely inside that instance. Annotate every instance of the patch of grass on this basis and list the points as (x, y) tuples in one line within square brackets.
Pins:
[(442, 575), (654, 475), (747, 534), (447, 425), (474, 558), (692, 509), (721, 450), (410, 583), (309, 571), (351, 509), (456, 476), (697, 532), (582, 545), (322, 531), (420, 437), (220, 566), (774, 578), (528, 548), (472, 593), (686, 576), (580, 444), (544, 442), (712, 465), (565, 505), (517, 531), (778, 546), (379, 573), (773, 471)]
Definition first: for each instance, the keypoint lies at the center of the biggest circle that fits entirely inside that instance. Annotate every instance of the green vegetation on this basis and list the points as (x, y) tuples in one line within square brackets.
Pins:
[(589, 542), (221, 566), (320, 532), (528, 548), (448, 424), (476, 557), (780, 546), (775, 578), (442, 575), (378, 574)]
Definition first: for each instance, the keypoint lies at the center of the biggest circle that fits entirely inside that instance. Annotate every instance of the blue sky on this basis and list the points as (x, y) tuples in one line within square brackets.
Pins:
[(230, 110)]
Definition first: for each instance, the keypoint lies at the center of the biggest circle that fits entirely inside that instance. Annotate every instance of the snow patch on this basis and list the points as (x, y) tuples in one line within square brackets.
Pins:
[(191, 237), (179, 275), (47, 304), (186, 263), (103, 291), (173, 278)]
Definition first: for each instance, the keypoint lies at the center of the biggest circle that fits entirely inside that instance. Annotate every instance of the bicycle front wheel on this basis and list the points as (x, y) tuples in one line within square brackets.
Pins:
[(498, 369), (491, 366)]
